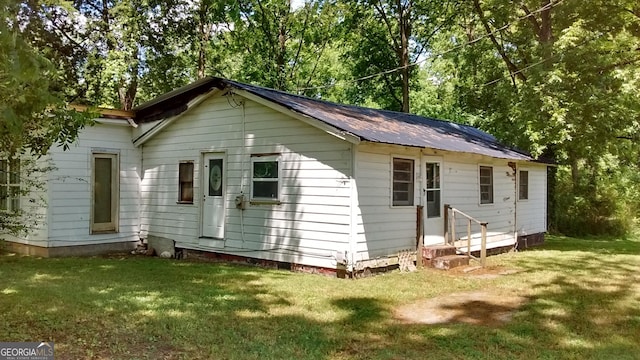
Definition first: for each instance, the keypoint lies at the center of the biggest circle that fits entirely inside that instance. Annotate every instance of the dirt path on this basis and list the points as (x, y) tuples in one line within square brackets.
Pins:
[(472, 307)]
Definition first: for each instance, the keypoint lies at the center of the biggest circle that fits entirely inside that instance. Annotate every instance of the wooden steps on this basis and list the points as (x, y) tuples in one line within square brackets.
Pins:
[(442, 257)]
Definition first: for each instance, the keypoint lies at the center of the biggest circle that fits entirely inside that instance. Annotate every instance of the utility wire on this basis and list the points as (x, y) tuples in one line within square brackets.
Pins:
[(471, 42), (540, 62)]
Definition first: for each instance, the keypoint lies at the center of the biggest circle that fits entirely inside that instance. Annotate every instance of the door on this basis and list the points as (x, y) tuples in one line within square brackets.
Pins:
[(433, 207), (213, 206), (104, 193)]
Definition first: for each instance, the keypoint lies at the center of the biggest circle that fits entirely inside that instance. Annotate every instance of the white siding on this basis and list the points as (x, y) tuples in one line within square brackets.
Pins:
[(461, 190), (35, 206), (70, 188), (309, 225), (531, 213), (384, 230)]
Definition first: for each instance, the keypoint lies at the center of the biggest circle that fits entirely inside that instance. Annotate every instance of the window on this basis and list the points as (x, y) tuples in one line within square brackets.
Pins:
[(265, 178), (402, 182), (10, 185), (523, 185), (104, 193), (185, 182), (486, 185), (433, 189)]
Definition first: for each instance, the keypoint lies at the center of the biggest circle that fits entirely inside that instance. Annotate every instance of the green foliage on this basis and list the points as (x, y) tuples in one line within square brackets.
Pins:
[(606, 202), (33, 115), (563, 83), (280, 47), (375, 51), (557, 78), (25, 214)]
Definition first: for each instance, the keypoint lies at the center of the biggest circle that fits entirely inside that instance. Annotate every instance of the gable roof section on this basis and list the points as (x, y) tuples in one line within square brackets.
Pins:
[(380, 126)]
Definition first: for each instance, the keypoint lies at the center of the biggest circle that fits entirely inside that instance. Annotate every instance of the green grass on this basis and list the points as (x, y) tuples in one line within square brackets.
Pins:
[(583, 302)]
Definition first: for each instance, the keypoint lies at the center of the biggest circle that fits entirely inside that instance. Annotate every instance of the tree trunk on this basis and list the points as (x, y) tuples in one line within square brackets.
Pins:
[(280, 57), (546, 35), (513, 69), (404, 15), (127, 92), (203, 38)]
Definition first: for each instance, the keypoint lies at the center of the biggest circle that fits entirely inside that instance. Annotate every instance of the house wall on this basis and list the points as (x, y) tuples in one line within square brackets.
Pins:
[(384, 230), (310, 224), (461, 188), (531, 213), (70, 188), (34, 206)]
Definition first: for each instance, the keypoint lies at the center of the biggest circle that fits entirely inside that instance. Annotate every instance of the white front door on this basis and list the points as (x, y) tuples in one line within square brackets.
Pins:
[(433, 207), (213, 207)]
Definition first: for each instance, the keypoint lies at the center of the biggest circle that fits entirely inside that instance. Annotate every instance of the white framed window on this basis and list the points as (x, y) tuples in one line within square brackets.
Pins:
[(185, 182), (486, 185), (10, 185), (265, 177), (523, 185), (105, 191), (403, 182), (433, 189)]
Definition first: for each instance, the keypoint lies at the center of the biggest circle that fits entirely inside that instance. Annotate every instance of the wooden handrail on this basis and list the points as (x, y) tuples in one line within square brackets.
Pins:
[(467, 216), (450, 231)]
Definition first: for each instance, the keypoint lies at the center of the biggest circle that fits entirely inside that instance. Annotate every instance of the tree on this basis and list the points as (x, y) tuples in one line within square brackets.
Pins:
[(280, 47), (388, 37), (33, 114), (33, 117), (560, 79)]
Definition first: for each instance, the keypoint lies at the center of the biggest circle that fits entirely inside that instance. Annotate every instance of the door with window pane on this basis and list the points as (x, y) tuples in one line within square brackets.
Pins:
[(105, 190), (433, 221), (213, 206)]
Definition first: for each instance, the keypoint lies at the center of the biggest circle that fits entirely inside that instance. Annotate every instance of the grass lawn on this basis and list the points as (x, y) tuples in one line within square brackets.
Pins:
[(582, 301)]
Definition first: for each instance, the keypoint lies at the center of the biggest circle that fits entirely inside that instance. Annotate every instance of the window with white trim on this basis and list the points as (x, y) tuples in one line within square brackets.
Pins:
[(523, 185), (105, 189), (486, 185), (10, 185), (185, 182), (265, 178), (402, 182)]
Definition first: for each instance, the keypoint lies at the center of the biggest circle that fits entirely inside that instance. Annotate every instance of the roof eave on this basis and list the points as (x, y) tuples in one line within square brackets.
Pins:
[(143, 138), (315, 122)]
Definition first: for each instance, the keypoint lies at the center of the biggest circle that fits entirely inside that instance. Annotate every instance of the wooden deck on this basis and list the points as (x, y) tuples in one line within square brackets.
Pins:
[(494, 240)]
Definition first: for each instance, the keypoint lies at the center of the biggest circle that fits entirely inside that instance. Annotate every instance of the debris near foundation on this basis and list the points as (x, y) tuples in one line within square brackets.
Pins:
[(141, 249), (406, 261)]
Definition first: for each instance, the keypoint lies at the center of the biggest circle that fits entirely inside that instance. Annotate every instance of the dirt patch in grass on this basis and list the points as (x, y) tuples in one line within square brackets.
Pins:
[(479, 272), (475, 307)]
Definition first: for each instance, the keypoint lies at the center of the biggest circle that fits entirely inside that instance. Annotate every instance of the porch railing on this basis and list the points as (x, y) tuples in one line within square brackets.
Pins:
[(452, 218)]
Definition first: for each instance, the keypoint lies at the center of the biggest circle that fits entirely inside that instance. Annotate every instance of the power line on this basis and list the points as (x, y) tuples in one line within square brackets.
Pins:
[(548, 6), (539, 62)]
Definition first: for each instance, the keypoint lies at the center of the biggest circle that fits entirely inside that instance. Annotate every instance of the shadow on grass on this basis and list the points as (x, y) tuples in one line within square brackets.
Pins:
[(141, 308), (628, 245)]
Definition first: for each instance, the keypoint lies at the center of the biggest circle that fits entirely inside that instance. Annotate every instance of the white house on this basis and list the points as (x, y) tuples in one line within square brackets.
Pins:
[(92, 196), (239, 170)]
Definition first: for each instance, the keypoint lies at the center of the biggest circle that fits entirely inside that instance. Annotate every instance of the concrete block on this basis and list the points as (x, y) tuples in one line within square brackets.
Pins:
[(161, 245), (449, 262), (432, 252)]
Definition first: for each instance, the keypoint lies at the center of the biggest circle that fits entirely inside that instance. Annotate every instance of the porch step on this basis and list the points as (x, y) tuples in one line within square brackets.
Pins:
[(436, 251), (449, 262)]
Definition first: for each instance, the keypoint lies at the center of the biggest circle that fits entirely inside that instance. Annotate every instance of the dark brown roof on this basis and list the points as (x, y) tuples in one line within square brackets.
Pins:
[(372, 125)]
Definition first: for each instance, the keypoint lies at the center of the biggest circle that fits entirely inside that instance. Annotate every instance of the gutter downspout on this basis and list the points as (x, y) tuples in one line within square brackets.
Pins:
[(353, 231), (514, 166)]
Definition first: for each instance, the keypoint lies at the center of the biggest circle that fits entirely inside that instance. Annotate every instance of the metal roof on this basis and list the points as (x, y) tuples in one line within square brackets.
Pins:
[(389, 127), (381, 126)]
